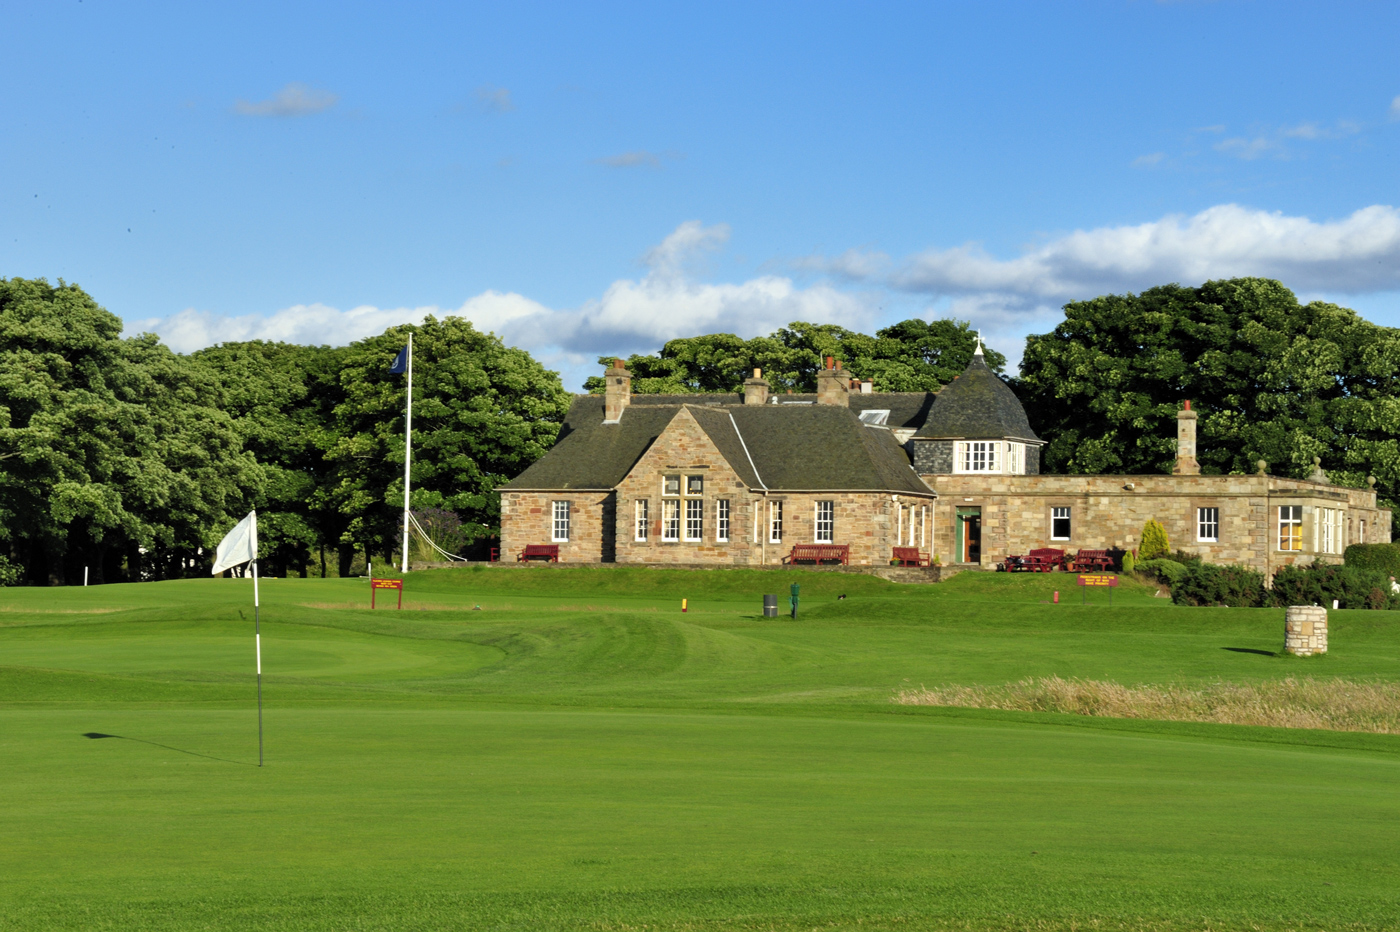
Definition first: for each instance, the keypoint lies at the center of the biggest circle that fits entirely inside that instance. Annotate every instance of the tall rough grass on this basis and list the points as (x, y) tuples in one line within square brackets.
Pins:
[(1337, 705)]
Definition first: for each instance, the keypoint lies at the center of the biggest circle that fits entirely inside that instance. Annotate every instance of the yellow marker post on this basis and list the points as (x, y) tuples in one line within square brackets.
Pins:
[(683, 602)]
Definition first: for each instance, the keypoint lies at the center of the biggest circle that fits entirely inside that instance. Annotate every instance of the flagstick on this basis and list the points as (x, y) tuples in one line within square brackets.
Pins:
[(257, 646), (407, 445)]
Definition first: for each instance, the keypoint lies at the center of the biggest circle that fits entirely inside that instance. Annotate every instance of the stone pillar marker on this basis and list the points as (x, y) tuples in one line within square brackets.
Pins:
[(1186, 464), (1305, 630), (617, 391)]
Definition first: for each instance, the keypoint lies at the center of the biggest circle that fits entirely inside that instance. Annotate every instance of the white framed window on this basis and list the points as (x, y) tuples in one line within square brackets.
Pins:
[(1059, 523), (1015, 458), (1290, 527), (694, 519), (670, 520), (1325, 526), (1207, 525), (560, 530), (670, 485), (694, 485), (775, 522), (722, 520), (826, 523), (642, 513), (979, 456), (875, 417)]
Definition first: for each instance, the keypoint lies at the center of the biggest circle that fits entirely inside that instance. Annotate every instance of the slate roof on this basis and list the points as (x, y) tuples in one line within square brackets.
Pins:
[(793, 447), (590, 455), (907, 409), (977, 405)]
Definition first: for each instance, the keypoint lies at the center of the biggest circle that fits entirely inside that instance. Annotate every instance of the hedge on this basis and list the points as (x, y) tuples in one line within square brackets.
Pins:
[(1382, 557)]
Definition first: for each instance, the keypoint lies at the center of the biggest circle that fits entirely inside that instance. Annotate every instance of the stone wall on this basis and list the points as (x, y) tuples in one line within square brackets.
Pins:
[(1305, 630), (528, 518), (865, 521), (1107, 512)]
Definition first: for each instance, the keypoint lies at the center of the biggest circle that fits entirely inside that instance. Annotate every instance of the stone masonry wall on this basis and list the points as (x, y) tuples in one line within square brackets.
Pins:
[(862, 520), (1305, 630), (528, 518), (1108, 512)]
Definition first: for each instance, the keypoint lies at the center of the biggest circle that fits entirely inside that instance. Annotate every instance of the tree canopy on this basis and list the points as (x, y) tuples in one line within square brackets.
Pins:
[(1270, 378), (121, 456), (913, 355)]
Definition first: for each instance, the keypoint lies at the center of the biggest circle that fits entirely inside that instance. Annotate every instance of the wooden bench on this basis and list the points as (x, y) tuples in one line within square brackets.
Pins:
[(1091, 560), (819, 553), (909, 556), (1040, 560), (548, 552)]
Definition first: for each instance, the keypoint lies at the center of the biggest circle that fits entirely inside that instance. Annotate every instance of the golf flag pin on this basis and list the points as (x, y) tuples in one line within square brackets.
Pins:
[(239, 545)]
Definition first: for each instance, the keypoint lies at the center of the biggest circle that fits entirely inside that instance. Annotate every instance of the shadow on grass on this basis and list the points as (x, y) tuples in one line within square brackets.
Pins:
[(1251, 650), (94, 735)]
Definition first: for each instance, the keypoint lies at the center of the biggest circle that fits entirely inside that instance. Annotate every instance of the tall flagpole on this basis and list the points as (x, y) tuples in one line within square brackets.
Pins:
[(407, 449), (257, 635)]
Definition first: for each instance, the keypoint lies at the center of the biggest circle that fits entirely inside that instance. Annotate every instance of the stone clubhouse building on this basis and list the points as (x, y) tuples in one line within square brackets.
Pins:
[(742, 479)]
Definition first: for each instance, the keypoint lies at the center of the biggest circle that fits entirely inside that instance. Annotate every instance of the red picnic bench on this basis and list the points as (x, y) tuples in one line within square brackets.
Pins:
[(548, 552), (1040, 560), (909, 556), (1091, 560), (819, 553)]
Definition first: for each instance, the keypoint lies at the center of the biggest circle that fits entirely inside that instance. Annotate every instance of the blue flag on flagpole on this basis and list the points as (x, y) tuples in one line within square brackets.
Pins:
[(400, 365)]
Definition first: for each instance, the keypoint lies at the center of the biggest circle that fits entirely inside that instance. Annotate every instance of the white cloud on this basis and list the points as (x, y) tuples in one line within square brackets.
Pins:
[(629, 316), (1357, 254), (1395, 108), (1147, 161), (296, 99), (495, 99), (1247, 149), (638, 158)]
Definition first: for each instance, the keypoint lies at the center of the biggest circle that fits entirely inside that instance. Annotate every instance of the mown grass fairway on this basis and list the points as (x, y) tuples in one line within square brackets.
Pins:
[(579, 754)]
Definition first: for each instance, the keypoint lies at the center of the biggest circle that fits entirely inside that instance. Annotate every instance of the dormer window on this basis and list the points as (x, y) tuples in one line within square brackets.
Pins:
[(875, 417)]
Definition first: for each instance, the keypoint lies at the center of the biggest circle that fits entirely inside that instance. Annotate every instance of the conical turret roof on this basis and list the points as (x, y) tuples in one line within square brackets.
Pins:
[(977, 405)]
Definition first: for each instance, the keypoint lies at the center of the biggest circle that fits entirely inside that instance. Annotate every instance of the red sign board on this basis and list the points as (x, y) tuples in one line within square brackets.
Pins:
[(376, 584), (1098, 579)]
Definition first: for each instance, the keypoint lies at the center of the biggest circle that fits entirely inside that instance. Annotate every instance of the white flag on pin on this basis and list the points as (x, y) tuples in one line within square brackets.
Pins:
[(239, 545)]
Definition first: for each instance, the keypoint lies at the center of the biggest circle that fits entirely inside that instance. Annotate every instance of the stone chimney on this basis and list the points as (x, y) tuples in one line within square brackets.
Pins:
[(833, 384), (618, 392), (1186, 464), (756, 389)]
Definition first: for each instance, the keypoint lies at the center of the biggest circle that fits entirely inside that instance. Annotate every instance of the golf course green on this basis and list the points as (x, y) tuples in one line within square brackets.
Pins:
[(563, 748)]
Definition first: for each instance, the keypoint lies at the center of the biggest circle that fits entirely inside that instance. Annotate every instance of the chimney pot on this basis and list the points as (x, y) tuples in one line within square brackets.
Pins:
[(830, 362)]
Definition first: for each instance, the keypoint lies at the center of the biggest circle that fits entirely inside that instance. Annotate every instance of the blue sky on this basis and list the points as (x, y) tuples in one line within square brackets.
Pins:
[(588, 179)]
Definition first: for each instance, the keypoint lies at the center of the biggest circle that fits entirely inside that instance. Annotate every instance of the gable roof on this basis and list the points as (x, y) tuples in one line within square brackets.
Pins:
[(591, 455), (780, 447), (977, 405)]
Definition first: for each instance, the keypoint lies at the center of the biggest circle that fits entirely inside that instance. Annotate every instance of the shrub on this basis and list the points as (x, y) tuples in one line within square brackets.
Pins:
[(1211, 584), (1154, 541), (1320, 583), (1181, 556), (9, 573), (1167, 571), (1382, 557), (1128, 562)]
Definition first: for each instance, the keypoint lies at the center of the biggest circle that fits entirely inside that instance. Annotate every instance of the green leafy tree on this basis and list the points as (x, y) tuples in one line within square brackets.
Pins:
[(1270, 378), (482, 412), (116, 455), (913, 355), (1154, 541)]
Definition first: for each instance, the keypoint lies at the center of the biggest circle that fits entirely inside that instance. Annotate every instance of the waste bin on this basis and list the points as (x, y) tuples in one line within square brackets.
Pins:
[(770, 606)]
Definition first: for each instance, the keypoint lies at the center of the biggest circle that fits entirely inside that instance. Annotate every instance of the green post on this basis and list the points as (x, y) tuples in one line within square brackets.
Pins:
[(795, 589)]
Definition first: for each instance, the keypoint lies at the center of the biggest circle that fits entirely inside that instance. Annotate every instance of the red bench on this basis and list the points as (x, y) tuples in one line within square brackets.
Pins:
[(909, 556), (1040, 560), (819, 553), (548, 552), (1091, 560)]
